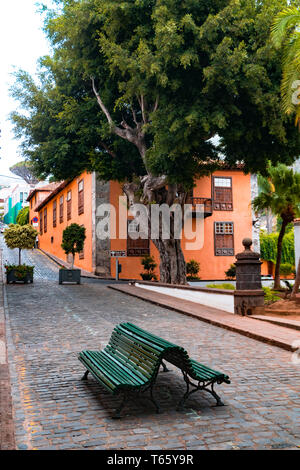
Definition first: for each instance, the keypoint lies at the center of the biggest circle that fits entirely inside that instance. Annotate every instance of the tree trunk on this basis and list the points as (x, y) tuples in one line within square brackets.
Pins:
[(297, 282), (172, 263), (19, 256), (279, 253)]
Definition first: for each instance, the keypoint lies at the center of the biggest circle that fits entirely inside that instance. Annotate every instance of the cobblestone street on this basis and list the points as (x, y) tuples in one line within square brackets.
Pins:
[(53, 409)]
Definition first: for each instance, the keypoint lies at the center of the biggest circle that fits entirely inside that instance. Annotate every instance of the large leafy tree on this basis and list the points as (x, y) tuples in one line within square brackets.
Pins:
[(25, 171), (137, 89), (280, 192), (286, 37)]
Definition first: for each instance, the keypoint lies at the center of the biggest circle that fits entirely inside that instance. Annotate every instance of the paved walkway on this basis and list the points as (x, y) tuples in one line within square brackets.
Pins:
[(262, 331), (53, 409)]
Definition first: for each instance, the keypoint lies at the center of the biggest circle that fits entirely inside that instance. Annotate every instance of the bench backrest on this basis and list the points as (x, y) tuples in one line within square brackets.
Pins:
[(129, 349)]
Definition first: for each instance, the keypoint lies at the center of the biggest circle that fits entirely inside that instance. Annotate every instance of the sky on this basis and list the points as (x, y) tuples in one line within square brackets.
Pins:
[(22, 43)]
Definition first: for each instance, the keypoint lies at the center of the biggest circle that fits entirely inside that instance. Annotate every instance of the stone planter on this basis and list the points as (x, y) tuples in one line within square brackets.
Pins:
[(11, 277), (69, 275)]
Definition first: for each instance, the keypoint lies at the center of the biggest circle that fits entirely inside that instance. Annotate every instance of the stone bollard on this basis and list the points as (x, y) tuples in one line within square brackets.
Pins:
[(248, 296)]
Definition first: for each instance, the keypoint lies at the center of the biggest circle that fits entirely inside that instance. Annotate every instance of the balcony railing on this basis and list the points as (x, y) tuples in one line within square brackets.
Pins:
[(206, 202)]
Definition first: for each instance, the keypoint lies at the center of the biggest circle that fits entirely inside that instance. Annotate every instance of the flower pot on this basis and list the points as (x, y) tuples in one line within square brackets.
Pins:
[(69, 275), (13, 276)]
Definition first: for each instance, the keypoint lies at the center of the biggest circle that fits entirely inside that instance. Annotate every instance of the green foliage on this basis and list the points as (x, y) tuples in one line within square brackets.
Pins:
[(23, 216), (73, 239), (20, 236), (270, 295), (20, 271), (225, 285), (286, 37), (268, 247), (149, 267), (184, 71), (192, 270), (231, 272), (286, 269)]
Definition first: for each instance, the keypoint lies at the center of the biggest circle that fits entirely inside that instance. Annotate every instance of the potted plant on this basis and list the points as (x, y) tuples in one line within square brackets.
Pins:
[(192, 270), (21, 237), (72, 243), (149, 267)]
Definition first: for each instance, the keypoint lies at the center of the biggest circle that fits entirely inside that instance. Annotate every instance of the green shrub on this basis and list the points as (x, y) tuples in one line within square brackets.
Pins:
[(270, 295), (192, 270), (286, 269), (20, 269), (149, 266), (231, 272), (73, 240), (23, 216), (20, 236), (225, 285)]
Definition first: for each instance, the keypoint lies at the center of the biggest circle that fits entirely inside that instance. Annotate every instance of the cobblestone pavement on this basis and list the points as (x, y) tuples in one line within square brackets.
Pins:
[(54, 409)]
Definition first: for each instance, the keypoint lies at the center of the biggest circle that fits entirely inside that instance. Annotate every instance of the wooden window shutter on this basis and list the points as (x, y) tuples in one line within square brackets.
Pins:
[(61, 209), (80, 197), (45, 220), (41, 222), (139, 246), (54, 213), (69, 205), (224, 239), (222, 193)]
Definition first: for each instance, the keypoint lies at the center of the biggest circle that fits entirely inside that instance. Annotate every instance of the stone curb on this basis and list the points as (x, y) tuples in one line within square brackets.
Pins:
[(214, 316)]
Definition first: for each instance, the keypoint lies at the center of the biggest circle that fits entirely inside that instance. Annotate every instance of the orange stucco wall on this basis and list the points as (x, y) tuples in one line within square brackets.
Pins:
[(211, 266), (54, 246)]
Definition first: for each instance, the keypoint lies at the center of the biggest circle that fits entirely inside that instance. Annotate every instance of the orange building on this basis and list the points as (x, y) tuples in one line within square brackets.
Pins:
[(225, 195)]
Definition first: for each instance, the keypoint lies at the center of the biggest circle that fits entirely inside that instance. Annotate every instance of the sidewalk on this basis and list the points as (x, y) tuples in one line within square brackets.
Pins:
[(7, 440), (274, 335)]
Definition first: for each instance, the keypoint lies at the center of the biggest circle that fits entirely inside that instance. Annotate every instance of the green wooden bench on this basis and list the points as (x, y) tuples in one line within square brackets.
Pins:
[(129, 365)]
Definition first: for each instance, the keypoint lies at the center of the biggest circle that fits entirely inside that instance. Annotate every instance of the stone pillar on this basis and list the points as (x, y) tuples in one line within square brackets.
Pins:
[(248, 296), (297, 241)]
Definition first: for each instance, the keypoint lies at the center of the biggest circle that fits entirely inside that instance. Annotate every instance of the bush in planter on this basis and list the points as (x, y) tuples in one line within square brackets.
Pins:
[(73, 240), (21, 237), (192, 270), (149, 267), (23, 216)]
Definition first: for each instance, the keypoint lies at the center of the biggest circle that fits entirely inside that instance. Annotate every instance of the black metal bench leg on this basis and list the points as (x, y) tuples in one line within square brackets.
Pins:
[(214, 394), (165, 369), (85, 375), (117, 413)]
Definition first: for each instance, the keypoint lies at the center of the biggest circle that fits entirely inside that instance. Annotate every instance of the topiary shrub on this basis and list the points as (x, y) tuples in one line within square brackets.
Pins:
[(192, 270), (20, 236), (149, 266), (73, 240)]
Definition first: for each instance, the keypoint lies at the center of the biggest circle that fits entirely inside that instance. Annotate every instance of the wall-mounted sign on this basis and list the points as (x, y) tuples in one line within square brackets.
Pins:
[(118, 254)]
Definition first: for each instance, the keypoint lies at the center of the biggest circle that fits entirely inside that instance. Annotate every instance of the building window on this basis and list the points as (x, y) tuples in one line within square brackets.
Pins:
[(224, 239), (80, 197), (61, 209), (21, 197), (136, 246), (41, 222), (30, 203), (69, 205), (222, 193), (54, 213), (45, 220)]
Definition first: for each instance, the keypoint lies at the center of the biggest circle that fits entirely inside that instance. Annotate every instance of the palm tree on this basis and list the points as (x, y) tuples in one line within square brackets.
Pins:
[(286, 35), (280, 193)]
